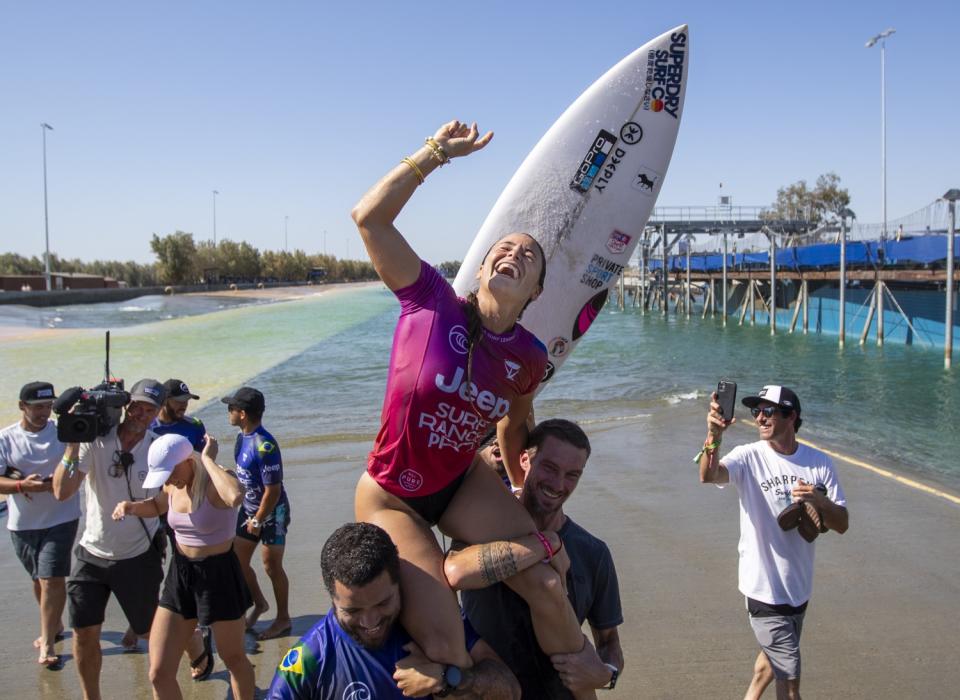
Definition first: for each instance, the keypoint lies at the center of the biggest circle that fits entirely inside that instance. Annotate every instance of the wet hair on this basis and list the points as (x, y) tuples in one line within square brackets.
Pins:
[(471, 307), (357, 553), (564, 430)]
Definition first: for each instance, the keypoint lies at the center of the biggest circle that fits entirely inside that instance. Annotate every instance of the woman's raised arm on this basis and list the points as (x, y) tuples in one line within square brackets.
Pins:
[(393, 258)]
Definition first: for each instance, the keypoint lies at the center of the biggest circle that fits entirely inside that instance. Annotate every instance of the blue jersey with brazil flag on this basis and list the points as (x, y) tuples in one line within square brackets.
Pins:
[(258, 465), (328, 664), (188, 426)]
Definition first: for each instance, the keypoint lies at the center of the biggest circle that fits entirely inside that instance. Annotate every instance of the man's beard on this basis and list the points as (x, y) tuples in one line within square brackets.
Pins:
[(364, 639), (536, 507)]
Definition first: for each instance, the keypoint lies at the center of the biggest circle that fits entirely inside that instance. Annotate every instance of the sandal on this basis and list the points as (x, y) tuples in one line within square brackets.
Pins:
[(206, 657)]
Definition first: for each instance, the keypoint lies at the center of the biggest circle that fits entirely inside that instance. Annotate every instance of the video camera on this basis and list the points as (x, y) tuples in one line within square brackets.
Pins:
[(97, 409)]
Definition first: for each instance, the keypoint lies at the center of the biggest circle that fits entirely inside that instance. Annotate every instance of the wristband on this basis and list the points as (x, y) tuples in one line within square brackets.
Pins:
[(19, 486), (436, 150), (546, 546), (708, 448)]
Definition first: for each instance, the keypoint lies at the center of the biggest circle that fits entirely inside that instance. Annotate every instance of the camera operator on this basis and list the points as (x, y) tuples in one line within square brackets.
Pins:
[(42, 529), (119, 557)]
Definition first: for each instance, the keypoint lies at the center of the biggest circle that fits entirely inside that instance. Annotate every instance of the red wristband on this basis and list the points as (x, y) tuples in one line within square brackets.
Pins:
[(546, 546), (19, 486)]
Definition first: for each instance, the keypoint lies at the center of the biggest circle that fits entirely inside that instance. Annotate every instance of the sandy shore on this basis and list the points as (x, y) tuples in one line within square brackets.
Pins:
[(879, 625)]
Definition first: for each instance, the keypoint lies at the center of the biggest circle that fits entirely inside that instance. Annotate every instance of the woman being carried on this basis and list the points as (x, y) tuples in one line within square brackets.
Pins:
[(456, 368), (204, 582)]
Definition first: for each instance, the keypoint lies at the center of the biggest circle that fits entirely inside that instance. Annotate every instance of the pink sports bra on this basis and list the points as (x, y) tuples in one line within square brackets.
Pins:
[(208, 525)]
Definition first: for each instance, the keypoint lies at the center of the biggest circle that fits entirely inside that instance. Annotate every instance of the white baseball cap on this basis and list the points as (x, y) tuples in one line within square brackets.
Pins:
[(166, 452)]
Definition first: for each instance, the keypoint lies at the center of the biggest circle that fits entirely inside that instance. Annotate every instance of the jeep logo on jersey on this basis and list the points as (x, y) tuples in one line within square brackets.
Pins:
[(512, 368), (459, 340), (495, 406)]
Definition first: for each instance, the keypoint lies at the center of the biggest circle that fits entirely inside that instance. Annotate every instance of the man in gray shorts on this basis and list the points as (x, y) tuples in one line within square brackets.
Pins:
[(789, 493), (42, 528), (114, 557)]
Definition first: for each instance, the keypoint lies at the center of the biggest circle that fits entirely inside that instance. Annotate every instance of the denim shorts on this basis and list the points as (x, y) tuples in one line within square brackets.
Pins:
[(45, 553)]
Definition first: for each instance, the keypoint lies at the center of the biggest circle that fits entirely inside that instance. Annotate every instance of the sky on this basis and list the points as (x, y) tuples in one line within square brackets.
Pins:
[(291, 110)]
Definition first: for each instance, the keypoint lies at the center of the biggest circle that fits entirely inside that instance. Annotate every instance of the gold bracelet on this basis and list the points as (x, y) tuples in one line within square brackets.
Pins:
[(414, 167), (437, 150)]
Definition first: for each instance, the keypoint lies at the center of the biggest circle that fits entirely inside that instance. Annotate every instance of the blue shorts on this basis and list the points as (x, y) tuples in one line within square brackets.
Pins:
[(45, 553), (273, 531)]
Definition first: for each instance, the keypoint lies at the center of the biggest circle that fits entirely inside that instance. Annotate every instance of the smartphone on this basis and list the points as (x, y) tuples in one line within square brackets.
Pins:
[(726, 397)]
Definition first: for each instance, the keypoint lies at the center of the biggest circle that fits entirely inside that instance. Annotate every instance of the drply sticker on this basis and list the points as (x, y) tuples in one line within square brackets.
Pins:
[(646, 180), (593, 161), (588, 314), (618, 242)]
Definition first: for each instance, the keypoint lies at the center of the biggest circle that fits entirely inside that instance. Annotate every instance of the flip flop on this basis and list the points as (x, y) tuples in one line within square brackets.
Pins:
[(284, 632), (205, 656)]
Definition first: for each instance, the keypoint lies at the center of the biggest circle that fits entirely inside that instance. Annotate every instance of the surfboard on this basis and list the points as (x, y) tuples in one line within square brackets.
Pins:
[(587, 188)]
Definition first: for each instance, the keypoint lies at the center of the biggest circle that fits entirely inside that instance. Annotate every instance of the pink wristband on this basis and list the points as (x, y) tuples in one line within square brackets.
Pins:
[(546, 546)]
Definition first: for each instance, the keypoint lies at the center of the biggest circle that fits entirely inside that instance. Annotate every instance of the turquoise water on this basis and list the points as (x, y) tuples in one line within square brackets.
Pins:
[(322, 361)]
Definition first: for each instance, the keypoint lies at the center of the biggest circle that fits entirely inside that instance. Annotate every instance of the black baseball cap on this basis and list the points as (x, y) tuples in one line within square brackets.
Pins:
[(246, 398), (37, 392), (775, 394), (178, 391)]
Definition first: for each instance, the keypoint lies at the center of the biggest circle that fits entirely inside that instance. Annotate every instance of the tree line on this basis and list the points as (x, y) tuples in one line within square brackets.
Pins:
[(182, 260)]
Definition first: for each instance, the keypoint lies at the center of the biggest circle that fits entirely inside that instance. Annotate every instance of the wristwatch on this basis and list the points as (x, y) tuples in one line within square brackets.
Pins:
[(614, 674), (253, 521), (452, 678)]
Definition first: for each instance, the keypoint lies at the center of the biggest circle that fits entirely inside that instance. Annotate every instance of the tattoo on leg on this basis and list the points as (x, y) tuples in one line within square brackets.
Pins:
[(496, 562)]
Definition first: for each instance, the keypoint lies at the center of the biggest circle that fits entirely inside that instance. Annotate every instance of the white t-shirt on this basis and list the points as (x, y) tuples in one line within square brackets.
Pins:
[(102, 535), (776, 566), (35, 453)]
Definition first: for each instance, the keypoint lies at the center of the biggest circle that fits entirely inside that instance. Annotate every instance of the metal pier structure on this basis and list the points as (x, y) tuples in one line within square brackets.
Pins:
[(759, 260)]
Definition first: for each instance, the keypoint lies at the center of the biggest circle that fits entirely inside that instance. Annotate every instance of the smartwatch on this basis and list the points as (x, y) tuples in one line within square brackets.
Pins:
[(614, 674), (452, 678)]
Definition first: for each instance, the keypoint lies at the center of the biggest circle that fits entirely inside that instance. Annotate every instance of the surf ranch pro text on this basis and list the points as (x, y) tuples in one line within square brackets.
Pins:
[(667, 76)]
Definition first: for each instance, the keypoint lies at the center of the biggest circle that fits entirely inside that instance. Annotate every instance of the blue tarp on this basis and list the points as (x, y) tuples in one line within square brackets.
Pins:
[(909, 251)]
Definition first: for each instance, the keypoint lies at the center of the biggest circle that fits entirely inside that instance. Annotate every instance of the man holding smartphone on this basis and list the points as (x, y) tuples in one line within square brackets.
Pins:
[(776, 564)]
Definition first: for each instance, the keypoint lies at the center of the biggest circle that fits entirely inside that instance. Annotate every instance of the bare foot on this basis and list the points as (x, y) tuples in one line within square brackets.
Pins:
[(254, 615), (279, 628), (50, 660), (38, 642)]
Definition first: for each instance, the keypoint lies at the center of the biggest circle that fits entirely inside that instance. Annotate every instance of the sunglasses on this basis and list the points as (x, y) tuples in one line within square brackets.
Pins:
[(121, 462), (768, 411)]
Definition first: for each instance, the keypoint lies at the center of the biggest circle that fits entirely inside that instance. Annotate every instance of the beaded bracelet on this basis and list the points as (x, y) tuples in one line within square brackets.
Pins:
[(437, 150)]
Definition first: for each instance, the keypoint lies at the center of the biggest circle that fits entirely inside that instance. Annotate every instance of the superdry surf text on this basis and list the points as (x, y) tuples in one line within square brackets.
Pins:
[(459, 428), (665, 76)]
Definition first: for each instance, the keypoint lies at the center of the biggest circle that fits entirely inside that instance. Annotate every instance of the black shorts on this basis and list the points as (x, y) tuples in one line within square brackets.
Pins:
[(273, 531), (135, 582), (431, 508), (208, 590)]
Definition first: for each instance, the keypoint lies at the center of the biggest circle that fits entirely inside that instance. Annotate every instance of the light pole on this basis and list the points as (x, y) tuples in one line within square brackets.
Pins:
[(951, 196), (324, 242), (882, 38), (285, 219), (44, 128), (215, 193)]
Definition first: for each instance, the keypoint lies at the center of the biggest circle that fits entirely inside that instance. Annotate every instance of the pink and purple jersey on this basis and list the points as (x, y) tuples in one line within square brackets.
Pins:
[(433, 419)]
